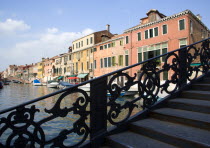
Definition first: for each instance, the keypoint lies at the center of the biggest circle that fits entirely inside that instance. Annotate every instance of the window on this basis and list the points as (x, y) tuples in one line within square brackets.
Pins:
[(109, 62), (126, 40), (165, 29), (164, 50), (76, 45), (73, 46), (126, 58), (113, 61), (121, 42), (87, 41), (91, 65), (139, 36), (105, 62), (91, 40), (81, 43), (146, 34), (105, 46), (145, 56), (109, 45), (139, 54), (191, 27), (101, 63), (156, 31), (203, 33), (150, 33), (182, 42), (120, 60), (94, 64), (87, 65), (82, 66), (181, 24), (76, 67), (95, 49), (113, 44), (101, 47)]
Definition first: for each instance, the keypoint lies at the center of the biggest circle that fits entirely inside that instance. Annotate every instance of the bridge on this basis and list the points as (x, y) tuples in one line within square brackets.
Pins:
[(18, 79), (165, 113)]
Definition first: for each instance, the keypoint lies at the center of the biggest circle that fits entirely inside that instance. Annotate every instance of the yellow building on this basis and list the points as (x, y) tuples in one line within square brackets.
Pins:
[(40, 67), (40, 70), (82, 53)]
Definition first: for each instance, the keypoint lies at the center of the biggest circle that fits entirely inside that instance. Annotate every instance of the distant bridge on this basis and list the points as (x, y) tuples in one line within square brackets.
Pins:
[(18, 79)]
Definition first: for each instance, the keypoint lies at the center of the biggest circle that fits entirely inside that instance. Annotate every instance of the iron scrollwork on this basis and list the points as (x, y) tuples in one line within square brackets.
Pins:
[(27, 132)]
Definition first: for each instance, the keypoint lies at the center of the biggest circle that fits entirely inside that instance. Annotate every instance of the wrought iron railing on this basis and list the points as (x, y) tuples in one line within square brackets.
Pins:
[(91, 113)]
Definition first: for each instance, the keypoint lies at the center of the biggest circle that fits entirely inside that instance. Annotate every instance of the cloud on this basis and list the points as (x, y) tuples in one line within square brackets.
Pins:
[(48, 44), (52, 30), (11, 25)]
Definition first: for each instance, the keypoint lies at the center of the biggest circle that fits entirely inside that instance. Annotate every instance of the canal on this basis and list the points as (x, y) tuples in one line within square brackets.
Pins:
[(15, 94)]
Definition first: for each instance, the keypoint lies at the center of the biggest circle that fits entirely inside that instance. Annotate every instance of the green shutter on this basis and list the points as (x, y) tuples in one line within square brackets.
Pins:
[(164, 29), (151, 33), (139, 36), (139, 57), (113, 61), (156, 31), (126, 60), (164, 50), (145, 56), (181, 24), (146, 34)]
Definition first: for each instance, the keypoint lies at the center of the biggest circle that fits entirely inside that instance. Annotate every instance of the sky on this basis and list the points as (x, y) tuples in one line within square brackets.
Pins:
[(32, 29)]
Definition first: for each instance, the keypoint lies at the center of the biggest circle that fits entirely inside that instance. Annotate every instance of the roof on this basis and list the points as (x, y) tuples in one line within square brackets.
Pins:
[(165, 19), (88, 35)]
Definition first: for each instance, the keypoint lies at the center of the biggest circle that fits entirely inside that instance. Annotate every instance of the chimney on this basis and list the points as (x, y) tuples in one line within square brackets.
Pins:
[(108, 27), (199, 17)]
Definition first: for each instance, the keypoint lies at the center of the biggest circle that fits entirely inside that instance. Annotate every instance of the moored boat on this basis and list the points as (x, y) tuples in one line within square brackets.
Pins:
[(63, 85), (37, 83), (53, 85), (1, 85)]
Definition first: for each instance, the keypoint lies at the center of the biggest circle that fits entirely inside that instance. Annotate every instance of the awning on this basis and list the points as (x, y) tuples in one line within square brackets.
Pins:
[(82, 75), (73, 78), (61, 77)]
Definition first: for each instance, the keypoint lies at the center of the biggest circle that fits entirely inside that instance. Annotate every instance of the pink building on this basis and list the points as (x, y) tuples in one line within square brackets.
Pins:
[(156, 34)]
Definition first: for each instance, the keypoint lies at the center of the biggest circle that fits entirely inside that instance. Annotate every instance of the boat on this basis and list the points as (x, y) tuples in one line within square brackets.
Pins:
[(6, 82), (16, 81), (131, 92), (53, 85), (37, 83), (121, 94), (1, 85), (63, 85)]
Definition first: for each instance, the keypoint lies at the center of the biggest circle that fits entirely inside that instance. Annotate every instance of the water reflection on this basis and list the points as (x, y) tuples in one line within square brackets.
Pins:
[(16, 94)]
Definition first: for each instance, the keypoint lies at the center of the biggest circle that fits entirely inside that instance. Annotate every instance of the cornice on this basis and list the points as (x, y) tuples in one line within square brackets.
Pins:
[(165, 19)]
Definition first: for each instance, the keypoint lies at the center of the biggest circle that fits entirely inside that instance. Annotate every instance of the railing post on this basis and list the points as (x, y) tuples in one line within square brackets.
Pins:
[(183, 67), (98, 108)]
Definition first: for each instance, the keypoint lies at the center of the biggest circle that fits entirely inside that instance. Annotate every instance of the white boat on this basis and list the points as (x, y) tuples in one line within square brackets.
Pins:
[(63, 85), (53, 85), (37, 83), (131, 92)]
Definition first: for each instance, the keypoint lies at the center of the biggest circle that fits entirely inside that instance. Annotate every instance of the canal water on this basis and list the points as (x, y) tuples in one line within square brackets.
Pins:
[(15, 94)]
